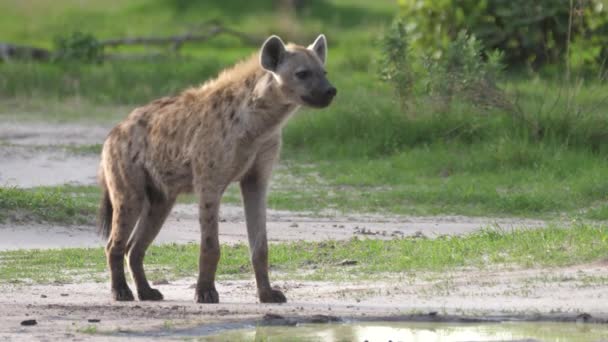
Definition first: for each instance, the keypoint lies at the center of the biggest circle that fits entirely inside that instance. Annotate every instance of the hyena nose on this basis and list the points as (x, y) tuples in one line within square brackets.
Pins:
[(331, 92)]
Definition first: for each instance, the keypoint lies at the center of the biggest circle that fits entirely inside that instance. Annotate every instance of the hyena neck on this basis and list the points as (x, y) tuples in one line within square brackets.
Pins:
[(269, 108)]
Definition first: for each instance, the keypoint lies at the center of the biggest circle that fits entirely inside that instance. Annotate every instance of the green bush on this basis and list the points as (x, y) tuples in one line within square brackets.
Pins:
[(529, 32), (78, 46), (396, 67), (461, 72)]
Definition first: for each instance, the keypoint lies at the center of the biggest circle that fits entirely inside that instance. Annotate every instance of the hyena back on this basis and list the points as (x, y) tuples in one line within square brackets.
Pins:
[(227, 130)]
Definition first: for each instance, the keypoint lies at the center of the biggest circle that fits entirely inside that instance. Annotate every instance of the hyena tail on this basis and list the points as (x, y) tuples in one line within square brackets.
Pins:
[(104, 216)]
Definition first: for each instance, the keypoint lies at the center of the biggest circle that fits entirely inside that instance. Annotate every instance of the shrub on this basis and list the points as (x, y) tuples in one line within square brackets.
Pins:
[(462, 71), (396, 67), (529, 32), (78, 46)]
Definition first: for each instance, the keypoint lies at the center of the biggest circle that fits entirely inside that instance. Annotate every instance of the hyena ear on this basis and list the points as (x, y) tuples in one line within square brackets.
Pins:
[(320, 47), (272, 52)]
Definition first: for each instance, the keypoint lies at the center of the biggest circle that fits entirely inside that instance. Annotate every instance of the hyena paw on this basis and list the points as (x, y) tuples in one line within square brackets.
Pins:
[(272, 296), (207, 296), (149, 294), (122, 294)]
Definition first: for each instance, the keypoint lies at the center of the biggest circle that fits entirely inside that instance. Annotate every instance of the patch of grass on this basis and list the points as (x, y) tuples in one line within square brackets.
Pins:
[(494, 179), (90, 149), (89, 329), (94, 149), (65, 204), (165, 17), (68, 204), (552, 246), (66, 110), (132, 82)]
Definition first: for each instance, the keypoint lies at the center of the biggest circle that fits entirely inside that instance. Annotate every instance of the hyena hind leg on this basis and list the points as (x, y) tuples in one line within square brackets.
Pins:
[(124, 216), (150, 223)]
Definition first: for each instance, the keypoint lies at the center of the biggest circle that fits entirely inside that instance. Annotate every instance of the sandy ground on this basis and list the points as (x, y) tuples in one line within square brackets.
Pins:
[(33, 154), (183, 227), (63, 311), (45, 134), (26, 167)]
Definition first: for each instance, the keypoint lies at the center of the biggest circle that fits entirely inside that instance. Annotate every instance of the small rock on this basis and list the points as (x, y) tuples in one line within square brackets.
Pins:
[(222, 312), (277, 320), (324, 319), (294, 225), (160, 282), (419, 235), (584, 317), (42, 296), (29, 322), (433, 313), (64, 294), (347, 262), (93, 320)]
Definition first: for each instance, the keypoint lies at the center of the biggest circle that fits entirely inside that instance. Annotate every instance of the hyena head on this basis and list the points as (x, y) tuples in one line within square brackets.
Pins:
[(299, 71)]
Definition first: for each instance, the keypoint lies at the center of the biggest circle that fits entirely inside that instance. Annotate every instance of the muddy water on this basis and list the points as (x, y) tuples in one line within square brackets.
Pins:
[(413, 331)]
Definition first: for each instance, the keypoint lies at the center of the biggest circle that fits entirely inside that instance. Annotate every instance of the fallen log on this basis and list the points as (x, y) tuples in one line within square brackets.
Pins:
[(178, 40), (10, 51)]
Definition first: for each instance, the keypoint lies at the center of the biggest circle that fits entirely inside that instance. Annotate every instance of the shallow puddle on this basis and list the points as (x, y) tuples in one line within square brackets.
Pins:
[(427, 332)]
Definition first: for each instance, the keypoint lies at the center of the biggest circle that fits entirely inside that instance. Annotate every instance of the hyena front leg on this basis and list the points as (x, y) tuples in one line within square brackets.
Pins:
[(253, 189), (210, 247)]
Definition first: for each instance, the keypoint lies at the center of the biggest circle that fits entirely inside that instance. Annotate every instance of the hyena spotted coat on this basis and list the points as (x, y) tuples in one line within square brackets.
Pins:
[(227, 130)]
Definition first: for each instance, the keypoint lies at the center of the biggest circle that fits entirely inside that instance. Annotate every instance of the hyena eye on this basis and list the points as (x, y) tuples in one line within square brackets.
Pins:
[(304, 74)]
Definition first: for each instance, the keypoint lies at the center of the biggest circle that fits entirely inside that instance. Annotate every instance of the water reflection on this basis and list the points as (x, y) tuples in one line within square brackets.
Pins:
[(415, 332)]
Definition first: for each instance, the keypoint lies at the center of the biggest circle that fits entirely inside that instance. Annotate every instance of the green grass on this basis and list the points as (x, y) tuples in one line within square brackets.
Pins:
[(65, 204), (528, 180), (46, 19), (89, 329), (112, 82), (552, 246)]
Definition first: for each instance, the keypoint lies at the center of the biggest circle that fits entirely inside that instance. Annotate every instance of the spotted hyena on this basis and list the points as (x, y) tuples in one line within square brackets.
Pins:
[(227, 130)]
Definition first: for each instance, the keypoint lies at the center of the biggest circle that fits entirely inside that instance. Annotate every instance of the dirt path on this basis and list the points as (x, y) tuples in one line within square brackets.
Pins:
[(62, 311), (183, 227), (45, 134), (34, 154)]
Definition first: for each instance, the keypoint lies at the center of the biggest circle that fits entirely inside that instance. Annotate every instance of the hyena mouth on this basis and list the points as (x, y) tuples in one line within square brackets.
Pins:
[(317, 102)]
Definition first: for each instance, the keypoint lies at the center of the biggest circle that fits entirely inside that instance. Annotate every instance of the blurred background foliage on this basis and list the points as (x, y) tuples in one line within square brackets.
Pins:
[(530, 33)]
